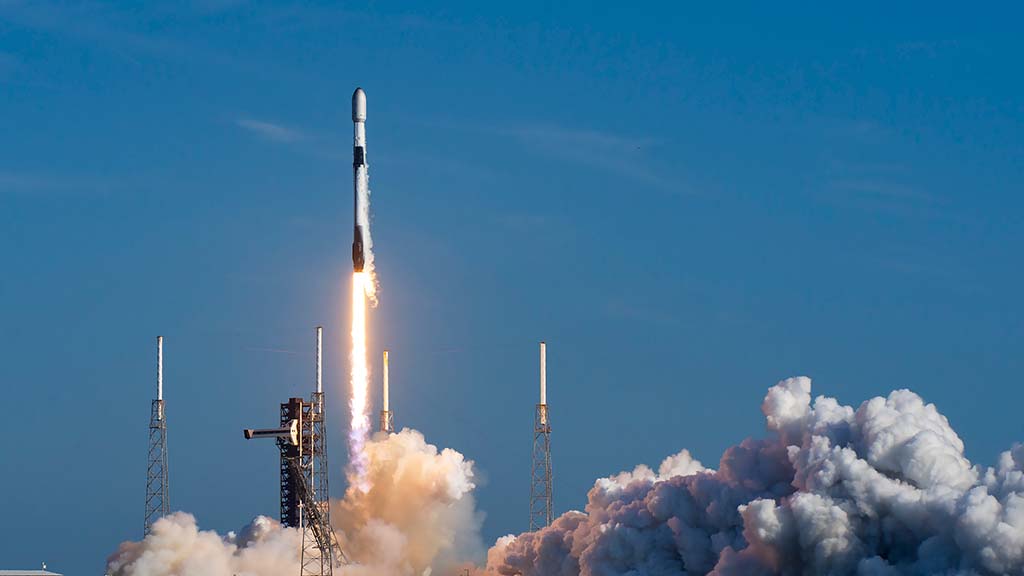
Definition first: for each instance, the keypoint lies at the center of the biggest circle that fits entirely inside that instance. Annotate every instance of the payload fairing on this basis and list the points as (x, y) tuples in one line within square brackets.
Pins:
[(361, 180)]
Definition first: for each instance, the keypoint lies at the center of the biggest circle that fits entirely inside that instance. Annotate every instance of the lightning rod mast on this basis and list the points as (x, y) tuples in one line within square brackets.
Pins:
[(541, 479), (387, 417)]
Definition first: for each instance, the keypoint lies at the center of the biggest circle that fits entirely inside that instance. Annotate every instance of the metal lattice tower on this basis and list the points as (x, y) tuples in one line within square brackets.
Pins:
[(291, 454), (317, 560), (157, 503), (305, 496), (541, 513), (387, 417)]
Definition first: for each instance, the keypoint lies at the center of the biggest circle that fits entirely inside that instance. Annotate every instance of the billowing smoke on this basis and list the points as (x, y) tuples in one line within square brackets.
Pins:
[(417, 517), (176, 546), (419, 512), (881, 490)]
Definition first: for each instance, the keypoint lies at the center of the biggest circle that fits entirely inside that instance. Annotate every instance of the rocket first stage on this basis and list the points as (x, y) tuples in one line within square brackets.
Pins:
[(361, 183)]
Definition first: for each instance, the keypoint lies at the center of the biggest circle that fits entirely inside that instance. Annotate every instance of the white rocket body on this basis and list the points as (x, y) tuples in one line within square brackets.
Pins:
[(361, 184)]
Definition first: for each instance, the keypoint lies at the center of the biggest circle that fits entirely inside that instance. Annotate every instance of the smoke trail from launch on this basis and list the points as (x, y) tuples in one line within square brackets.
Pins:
[(359, 428)]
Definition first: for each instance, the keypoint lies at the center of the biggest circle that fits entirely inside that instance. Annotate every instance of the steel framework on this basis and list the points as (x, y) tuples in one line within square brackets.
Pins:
[(315, 413), (305, 497), (157, 503), (540, 487), (319, 544), (305, 492), (291, 477)]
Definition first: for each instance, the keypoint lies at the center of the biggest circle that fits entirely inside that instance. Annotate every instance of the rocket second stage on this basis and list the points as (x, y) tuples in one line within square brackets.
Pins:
[(361, 183)]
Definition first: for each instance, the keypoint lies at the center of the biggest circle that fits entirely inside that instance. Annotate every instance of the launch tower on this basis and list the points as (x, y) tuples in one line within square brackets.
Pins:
[(305, 497)]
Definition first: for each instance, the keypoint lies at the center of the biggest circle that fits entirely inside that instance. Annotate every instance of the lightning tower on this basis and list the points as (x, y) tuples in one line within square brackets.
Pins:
[(387, 417), (157, 503), (319, 429), (316, 559), (541, 480)]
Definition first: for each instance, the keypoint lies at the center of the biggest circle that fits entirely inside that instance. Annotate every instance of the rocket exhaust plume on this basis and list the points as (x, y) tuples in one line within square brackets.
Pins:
[(360, 379)]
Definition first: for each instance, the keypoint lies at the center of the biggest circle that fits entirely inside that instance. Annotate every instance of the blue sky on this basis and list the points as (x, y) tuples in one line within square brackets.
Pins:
[(688, 205)]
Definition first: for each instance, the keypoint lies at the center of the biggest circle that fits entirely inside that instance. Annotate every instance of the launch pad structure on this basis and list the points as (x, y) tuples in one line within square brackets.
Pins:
[(541, 512), (305, 494), (157, 502)]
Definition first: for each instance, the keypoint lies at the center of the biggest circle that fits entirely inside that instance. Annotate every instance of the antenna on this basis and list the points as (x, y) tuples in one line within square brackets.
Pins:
[(319, 360)]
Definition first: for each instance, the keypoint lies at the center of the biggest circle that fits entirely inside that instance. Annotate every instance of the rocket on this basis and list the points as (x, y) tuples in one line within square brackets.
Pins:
[(360, 182)]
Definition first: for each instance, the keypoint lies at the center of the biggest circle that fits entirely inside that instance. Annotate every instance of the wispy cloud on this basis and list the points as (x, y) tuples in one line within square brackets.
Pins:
[(271, 131), (883, 190), (276, 351), (31, 184), (124, 32), (880, 188), (11, 182), (909, 49), (216, 6), (590, 139), (625, 155), (641, 313), (523, 222)]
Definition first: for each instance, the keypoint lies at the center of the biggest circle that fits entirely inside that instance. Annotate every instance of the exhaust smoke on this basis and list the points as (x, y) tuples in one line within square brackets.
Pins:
[(883, 489)]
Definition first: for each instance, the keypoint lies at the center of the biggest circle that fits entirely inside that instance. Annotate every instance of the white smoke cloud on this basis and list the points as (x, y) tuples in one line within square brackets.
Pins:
[(419, 512), (881, 490), (418, 517), (176, 546)]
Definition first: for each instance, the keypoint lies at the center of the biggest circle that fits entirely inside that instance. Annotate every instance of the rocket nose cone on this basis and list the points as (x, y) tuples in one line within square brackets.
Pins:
[(359, 105)]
